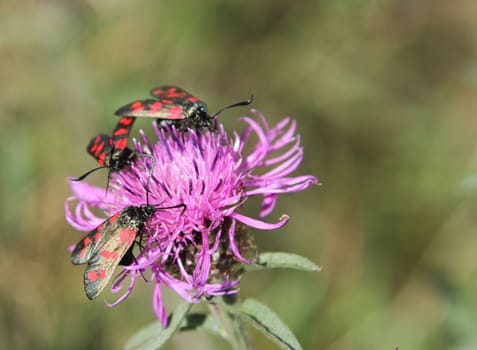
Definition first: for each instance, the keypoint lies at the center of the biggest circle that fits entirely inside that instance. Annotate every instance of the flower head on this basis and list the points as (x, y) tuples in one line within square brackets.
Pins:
[(195, 251)]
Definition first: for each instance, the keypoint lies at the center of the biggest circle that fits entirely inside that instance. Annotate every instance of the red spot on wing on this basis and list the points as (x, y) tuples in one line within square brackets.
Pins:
[(162, 92), (113, 218), (87, 241), (156, 106), (175, 113), (126, 235), (192, 99), (109, 255), (176, 95), (121, 131), (166, 101), (97, 147), (120, 144), (92, 276), (126, 121), (97, 236), (137, 106), (101, 159), (97, 151), (95, 275), (82, 253)]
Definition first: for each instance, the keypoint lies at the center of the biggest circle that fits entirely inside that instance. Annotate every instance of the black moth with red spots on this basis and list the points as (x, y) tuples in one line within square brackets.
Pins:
[(110, 245), (172, 105), (111, 151)]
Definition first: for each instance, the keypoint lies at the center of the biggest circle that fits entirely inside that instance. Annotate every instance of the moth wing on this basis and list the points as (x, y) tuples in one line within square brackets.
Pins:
[(90, 244), (100, 147), (121, 132), (160, 109), (172, 93), (104, 261)]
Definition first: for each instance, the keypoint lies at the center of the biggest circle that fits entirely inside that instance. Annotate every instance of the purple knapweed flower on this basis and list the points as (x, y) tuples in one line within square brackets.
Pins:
[(196, 251)]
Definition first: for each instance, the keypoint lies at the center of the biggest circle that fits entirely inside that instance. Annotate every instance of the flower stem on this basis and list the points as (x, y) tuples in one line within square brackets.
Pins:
[(233, 327)]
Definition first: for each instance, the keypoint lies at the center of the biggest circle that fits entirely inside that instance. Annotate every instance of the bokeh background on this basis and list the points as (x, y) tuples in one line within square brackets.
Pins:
[(385, 93)]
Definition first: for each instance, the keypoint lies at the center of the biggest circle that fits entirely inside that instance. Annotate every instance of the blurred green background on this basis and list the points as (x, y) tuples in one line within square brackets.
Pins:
[(385, 93)]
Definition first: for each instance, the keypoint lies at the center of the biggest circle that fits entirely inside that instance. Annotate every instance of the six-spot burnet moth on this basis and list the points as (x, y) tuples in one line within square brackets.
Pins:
[(111, 151), (172, 105), (111, 244)]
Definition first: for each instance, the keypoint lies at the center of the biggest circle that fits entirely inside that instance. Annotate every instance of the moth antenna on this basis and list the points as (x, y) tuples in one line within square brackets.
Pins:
[(109, 172), (151, 169), (82, 177), (182, 205), (241, 103), (107, 183)]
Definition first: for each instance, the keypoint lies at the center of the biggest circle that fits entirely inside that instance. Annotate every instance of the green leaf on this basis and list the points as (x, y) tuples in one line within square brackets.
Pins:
[(283, 260), (143, 335), (153, 336), (264, 319)]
